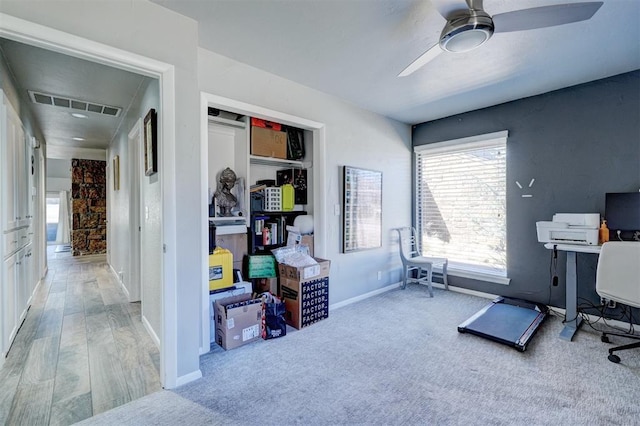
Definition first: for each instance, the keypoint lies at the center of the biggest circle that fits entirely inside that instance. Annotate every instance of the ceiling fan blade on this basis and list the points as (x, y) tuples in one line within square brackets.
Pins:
[(447, 8), (422, 60), (545, 16)]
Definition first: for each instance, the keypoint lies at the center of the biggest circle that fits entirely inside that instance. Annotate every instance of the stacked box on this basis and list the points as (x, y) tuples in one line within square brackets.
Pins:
[(305, 291), (268, 143), (238, 320), (238, 288), (273, 199)]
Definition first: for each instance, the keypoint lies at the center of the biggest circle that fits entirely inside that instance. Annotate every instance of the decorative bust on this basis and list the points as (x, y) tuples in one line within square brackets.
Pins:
[(226, 200)]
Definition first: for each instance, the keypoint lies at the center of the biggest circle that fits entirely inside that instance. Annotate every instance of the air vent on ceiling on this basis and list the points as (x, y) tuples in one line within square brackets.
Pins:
[(74, 104)]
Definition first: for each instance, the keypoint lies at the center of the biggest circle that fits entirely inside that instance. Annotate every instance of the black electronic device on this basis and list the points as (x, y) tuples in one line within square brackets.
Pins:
[(295, 143), (622, 213), (512, 322), (212, 237)]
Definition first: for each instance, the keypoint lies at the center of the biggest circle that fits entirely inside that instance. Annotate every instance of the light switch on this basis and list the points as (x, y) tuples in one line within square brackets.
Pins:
[(146, 212)]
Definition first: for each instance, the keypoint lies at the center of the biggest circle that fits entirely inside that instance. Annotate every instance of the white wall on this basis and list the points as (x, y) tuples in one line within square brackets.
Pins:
[(154, 32), (119, 231), (58, 184), (354, 137)]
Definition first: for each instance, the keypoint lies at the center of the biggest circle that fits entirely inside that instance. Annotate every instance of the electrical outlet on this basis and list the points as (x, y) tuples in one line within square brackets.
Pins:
[(611, 304), (603, 301)]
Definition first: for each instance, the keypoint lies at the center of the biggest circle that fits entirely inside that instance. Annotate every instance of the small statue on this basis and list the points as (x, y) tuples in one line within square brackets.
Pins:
[(226, 200)]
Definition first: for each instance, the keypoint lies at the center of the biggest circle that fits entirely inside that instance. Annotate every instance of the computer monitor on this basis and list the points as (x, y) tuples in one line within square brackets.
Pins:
[(622, 212)]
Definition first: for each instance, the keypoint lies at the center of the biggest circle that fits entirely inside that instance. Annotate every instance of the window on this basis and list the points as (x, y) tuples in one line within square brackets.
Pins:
[(461, 204)]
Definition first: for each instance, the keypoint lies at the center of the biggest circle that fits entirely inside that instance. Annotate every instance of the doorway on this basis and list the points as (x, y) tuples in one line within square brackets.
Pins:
[(163, 259)]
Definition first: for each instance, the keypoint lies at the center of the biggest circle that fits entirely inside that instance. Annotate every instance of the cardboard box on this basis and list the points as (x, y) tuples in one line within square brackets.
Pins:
[(307, 240), (268, 142), (305, 292), (238, 288), (238, 321), (305, 273), (262, 285), (306, 302)]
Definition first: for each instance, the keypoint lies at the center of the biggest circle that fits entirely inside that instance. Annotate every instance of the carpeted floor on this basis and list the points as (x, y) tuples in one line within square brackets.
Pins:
[(398, 359)]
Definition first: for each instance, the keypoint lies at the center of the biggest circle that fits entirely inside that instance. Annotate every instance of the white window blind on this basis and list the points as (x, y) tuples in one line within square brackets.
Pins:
[(461, 202)]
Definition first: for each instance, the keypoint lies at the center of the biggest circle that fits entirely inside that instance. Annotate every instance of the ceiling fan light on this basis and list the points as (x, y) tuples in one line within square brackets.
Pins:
[(465, 40), (466, 32)]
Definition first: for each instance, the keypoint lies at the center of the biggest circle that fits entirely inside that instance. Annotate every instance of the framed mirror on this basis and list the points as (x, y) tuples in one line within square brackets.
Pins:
[(362, 209)]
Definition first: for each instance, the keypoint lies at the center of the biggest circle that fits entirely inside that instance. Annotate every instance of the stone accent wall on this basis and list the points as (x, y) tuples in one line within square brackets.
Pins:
[(89, 207)]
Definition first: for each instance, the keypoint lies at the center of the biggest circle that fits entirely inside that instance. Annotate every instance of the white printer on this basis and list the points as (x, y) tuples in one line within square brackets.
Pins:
[(570, 228)]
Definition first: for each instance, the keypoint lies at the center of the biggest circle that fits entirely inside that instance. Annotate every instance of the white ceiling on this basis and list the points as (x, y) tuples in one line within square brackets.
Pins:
[(354, 49), (46, 71)]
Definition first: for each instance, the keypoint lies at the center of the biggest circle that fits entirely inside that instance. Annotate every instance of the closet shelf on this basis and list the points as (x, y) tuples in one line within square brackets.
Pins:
[(268, 161), (228, 122)]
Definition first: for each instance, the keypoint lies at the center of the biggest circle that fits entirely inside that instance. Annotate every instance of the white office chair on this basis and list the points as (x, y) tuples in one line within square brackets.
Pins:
[(413, 260), (618, 279)]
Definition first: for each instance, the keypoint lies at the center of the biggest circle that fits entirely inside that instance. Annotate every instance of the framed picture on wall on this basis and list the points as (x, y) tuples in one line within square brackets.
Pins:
[(150, 143), (362, 215)]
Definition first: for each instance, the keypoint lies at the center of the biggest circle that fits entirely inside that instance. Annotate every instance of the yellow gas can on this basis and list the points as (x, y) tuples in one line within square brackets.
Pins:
[(220, 269), (287, 197)]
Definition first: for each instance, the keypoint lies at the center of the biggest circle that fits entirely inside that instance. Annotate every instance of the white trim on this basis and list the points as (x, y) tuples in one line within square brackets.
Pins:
[(319, 195), (488, 140), (397, 286), (134, 143), (463, 290), (48, 38), (478, 276), (183, 380), (69, 152), (477, 141), (169, 220), (150, 330), (364, 296), (68, 44), (115, 274)]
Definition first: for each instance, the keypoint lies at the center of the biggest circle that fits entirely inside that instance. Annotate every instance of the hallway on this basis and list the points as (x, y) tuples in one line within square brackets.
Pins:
[(81, 350)]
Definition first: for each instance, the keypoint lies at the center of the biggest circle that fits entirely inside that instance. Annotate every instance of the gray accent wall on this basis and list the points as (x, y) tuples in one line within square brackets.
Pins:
[(578, 143)]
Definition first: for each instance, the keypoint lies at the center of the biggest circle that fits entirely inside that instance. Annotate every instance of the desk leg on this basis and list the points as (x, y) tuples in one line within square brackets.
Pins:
[(572, 321)]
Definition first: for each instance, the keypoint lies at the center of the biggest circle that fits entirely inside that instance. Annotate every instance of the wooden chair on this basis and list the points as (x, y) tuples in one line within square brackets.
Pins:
[(413, 260)]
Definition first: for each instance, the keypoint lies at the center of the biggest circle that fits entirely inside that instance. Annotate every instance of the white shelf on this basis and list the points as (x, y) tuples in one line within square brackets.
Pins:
[(228, 122), (229, 225), (269, 161), (231, 229)]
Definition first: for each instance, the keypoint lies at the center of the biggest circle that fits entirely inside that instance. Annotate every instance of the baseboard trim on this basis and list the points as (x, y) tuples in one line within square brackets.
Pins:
[(187, 378), (150, 330), (363, 296), (397, 285), (122, 286)]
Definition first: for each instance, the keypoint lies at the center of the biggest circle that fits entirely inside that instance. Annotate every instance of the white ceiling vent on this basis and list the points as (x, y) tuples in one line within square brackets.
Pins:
[(75, 104)]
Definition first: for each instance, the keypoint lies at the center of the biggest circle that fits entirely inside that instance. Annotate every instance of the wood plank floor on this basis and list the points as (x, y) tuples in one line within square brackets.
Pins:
[(81, 350)]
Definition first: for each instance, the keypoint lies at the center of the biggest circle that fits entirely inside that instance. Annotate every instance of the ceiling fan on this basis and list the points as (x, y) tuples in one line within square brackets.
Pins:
[(469, 26)]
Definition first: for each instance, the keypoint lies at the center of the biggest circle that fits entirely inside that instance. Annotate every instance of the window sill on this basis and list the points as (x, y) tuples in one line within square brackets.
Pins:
[(478, 276)]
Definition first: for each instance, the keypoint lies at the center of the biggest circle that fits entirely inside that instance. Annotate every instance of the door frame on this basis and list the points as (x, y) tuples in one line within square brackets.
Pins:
[(135, 221), (51, 39), (319, 193)]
